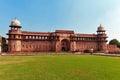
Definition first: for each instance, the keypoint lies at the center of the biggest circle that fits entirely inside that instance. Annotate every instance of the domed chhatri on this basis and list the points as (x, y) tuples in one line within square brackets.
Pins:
[(15, 23), (100, 29)]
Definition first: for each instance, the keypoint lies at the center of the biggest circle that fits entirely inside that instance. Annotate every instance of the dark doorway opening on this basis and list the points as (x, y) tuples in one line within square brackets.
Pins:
[(65, 45), (63, 49)]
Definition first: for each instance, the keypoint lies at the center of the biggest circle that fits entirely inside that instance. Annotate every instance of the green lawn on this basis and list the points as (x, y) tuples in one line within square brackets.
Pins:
[(59, 67)]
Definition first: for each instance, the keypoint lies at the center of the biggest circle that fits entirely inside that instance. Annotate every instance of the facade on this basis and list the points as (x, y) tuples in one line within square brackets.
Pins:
[(58, 41), (3, 44), (0, 48)]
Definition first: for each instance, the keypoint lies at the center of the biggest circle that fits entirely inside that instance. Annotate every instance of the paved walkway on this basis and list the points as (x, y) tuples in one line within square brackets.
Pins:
[(99, 54), (106, 54)]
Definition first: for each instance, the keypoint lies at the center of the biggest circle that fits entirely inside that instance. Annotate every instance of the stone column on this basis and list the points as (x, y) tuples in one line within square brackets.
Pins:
[(73, 46), (58, 46)]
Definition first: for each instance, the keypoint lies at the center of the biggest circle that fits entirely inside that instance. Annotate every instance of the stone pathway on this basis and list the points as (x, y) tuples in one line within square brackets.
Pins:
[(106, 54), (99, 54)]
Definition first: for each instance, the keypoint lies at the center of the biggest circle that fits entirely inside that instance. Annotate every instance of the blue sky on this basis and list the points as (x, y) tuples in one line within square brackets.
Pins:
[(82, 16)]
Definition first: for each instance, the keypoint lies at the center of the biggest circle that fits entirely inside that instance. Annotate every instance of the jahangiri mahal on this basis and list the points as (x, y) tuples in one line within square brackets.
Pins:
[(58, 41)]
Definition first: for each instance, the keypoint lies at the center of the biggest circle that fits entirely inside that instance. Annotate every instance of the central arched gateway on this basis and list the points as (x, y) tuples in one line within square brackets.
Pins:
[(65, 45)]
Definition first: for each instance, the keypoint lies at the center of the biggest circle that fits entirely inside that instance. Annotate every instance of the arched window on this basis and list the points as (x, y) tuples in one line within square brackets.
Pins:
[(36, 37), (26, 37), (33, 37), (30, 37), (42, 37), (46, 37), (39, 37)]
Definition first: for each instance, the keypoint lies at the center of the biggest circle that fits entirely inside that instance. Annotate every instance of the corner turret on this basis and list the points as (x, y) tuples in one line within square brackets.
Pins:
[(14, 36), (102, 39)]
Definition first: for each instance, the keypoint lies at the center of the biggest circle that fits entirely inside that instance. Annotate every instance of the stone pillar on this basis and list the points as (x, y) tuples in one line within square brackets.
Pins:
[(73, 46), (58, 46)]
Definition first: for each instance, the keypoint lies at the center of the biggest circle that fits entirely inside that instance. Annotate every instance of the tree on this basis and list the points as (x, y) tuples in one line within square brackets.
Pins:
[(115, 42)]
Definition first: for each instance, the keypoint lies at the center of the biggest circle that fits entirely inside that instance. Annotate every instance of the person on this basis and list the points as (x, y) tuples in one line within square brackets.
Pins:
[(91, 51)]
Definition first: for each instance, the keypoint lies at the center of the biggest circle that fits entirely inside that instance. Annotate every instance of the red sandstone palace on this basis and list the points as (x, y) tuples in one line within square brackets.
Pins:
[(58, 41)]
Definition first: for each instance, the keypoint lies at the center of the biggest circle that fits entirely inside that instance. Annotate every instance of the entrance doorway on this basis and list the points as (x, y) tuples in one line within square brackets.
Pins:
[(63, 49), (65, 45)]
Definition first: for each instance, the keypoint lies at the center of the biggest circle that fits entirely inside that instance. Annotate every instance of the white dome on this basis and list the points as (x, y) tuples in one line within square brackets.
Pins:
[(100, 28), (15, 22)]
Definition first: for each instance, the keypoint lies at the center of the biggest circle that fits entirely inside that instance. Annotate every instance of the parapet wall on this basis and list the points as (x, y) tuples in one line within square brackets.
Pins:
[(113, 48)]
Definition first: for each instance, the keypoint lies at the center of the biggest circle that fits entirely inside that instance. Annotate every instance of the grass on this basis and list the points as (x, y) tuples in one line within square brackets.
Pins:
[(59, 67)]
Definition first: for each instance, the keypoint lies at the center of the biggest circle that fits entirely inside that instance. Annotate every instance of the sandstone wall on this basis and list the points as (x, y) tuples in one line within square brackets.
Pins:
[(36, 46), (82, 46)]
